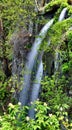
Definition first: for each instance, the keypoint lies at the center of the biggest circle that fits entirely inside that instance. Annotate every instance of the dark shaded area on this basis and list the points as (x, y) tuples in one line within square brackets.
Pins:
[(70, 2), (51, 13), (6, 68)]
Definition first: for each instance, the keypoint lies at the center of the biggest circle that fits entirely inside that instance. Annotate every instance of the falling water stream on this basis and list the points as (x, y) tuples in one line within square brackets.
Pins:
[(30, 63), (36, 88), (36, 85), (63, 14)]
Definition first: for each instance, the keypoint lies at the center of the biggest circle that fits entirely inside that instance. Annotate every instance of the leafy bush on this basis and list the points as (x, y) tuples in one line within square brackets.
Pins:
[(16, 118), (54, 92), (51, 112)]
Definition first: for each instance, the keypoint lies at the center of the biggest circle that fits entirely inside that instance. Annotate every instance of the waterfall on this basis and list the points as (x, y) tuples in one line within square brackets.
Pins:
[(36, 85), (57, 57), (30, 63), (36, 88), (28, 88), (62, 15)]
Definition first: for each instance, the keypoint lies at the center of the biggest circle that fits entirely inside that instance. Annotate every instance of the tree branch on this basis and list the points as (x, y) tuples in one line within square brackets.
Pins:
[(40, 8)]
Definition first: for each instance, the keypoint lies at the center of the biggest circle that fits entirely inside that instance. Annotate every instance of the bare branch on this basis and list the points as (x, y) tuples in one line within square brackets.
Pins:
[(40, 8), (37, 6)]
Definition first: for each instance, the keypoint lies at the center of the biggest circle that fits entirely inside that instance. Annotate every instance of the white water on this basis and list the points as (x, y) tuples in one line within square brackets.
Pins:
[(37, 84), (30, 63), (62, 15), (36, 88), (57, 57)]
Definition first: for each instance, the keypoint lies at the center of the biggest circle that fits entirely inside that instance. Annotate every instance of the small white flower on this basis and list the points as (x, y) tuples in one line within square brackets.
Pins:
[(61, 108), (35, 109), (45, 104), (27, 118), (4, 113), (67, 120), (31, 102), (19, 103), (37, 99), (50, 115), (11, 105), (51, 123), (0, 118), (13, 117), (30, 35)]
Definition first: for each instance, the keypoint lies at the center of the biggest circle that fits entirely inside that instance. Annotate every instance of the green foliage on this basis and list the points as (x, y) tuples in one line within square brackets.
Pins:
[(16, 13), (5, 93), (53, 92), (65, 67), (16, 118), (51, 111), (20, 121), (2, 75), (69, 37)]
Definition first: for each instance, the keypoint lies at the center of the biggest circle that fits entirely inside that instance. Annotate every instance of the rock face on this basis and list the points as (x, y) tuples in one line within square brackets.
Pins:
[(20, 41), (21, 46)]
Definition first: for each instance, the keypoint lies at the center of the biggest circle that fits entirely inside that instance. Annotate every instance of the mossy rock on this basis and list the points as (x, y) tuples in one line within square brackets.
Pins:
[(57, 5), (58, 29)]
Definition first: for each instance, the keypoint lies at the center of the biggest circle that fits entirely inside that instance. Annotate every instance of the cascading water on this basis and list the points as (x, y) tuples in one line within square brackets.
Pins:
[(62, 15), (36, 88), (37, 84), (57, 57), (30, 63)]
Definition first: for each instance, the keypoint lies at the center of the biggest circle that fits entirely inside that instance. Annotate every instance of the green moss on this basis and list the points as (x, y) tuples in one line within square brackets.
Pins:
[(56, 3), (69, 38), (69, 10), (58, 30), (63, 5), (59, 4), (65, 67)]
